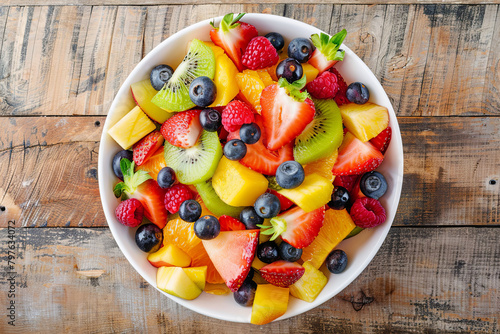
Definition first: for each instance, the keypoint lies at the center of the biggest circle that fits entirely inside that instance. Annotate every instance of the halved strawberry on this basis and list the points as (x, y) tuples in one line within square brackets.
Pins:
[(141, 186), (228, 223), (285, 116), (232, 253), (356, 157), (295, 226), (382, 140), (145, 148), (259, 158), (233, 36), (282, 273), (285, 202), (182, 129), (327, 51), (346, 181)]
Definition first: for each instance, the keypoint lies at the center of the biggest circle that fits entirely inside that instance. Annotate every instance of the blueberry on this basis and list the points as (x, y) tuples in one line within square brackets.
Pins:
[(357, 93), (250, 274), (373, 184), (300, 49), (276, 40), (290, 174), (290, 69), (336, 261), (207, 227), (235, 149), (250, 218), (210, 120), (267, 205), (245, 295), (340, 198), (116, 162), (250, 133), (166, 177), (289, 253), (160, 75), (190, 210), (202, 91), (268, 252), (148, 237)]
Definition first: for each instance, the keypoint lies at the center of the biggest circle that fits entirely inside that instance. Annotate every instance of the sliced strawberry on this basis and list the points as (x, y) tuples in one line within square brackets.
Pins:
[(295, 226), (285, 202), (282, 273), (327, 51), (182, 129), (346, 181), (232, 253), (382, 140), (356, 157), (141, 186), (228, 223), (233, 36), (284, 116), (259, 158), (145, 148)]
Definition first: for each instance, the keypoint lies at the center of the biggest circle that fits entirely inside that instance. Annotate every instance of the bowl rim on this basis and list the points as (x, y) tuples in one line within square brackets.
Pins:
[(398, 175)]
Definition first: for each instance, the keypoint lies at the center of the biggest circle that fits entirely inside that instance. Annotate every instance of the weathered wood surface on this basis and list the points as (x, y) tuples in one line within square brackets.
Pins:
[(433, 60), (50, 178), (428, 280)]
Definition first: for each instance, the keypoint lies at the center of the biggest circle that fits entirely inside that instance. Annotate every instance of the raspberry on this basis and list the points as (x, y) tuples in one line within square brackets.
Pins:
[(367, 212), (235, 114), (130, 212), (340, 97), (175, 195), (260, 53), (324, 86)]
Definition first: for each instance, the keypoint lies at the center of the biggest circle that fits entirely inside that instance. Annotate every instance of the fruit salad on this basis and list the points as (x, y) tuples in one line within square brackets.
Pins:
[(246, 164)]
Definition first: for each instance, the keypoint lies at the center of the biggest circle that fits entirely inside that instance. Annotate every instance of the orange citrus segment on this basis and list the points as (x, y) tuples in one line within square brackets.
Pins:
[(323, 166), (265, 77), (251, 87), (154, 164)]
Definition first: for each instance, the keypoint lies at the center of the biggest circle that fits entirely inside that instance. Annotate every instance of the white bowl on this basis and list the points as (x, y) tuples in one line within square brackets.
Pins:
[(360, 249)]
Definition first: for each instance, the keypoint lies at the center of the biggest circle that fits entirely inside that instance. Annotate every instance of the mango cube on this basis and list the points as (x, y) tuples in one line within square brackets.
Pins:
[(313, 193), (310, 72), (270, 302), (309, 285), (131, 128), (198, 275), (236, 184), (364, 121), (174, 281), (169, 256)]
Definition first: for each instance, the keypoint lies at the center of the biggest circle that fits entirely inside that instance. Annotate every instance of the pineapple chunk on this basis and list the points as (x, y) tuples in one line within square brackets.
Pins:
[(174, 281), (364, 121), (236, 184), (131, 128), (257, 264), (198, 275), (323, 166), (312, 194), (337, 225), (310, 72), (309, 285), (270, 302), (224, 79)]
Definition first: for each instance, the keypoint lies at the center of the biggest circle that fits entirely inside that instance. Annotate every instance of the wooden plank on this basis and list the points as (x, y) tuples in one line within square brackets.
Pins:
[(451, 171), (421, 280)]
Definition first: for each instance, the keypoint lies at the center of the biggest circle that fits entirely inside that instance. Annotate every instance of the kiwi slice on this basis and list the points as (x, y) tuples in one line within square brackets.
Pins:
[(199, 61), (213, 202), (322, 136), (197, 163)]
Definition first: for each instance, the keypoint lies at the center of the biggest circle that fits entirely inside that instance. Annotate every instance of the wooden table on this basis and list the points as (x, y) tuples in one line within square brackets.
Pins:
[(60, 67)]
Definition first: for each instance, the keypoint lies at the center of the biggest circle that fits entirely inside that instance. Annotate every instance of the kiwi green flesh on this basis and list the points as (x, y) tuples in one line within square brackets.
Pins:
[(213, 202), (199, 61), (197, 163), (322, 136)]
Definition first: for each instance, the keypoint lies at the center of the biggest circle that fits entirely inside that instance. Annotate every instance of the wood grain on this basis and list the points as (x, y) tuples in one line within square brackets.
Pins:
[(421, 280), (433, 60), (451, 164)]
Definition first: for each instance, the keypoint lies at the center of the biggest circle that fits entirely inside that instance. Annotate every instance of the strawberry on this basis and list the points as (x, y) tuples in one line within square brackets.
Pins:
[(141, 186), (285, 202), (356, 157), (282, 273), (259, 158), (233, 36), (327, 51), (232, 253), (295, 226), (382, 140), (228, 223), (346, 181), (286, 112), (182, 129), (145, 148)]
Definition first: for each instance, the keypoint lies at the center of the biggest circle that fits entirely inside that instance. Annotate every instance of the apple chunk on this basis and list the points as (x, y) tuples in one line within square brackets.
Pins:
[(174, 281), (143, 92), (170, 256)]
